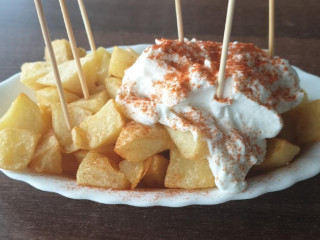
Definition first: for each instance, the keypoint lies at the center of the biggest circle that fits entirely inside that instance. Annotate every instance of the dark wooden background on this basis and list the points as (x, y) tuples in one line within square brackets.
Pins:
[(26, 213)]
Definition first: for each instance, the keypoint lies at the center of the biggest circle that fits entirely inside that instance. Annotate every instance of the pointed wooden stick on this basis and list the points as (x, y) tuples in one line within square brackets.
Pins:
[(225, 46), (47, 40), (74, 48), (271, 28), (87, 25), (179, 21)]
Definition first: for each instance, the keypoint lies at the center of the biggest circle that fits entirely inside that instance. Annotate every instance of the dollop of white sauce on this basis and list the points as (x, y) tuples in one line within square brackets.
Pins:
[(236, 130)]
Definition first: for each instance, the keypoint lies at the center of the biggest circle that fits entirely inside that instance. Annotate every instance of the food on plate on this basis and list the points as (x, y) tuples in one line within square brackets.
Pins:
[(153, 120)]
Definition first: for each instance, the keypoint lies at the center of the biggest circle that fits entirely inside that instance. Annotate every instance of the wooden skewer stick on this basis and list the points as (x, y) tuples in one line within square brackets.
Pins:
[(271, 28), (47, 40), (87, 25), (74, 48), (225, 46), (179, 21)]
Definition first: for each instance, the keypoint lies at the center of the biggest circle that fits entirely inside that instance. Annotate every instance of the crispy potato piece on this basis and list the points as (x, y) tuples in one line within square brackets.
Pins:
[(120, 61), (187, 145), (82, 52), (103, 59), (46, 118), (112, 86), (101, 129), (96, 170), (93, 104), (279, 153), (134, 171), (290, 120), (69, 75), (156, 173), (31, 72), (23, 114), (137, 142), (188, 174), (47, 156), (17, 147), (62, 51), (77, 115), (49, 95), (308, 123)]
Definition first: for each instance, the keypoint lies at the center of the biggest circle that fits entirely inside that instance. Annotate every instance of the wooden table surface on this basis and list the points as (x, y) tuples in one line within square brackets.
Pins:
[(27, 213)]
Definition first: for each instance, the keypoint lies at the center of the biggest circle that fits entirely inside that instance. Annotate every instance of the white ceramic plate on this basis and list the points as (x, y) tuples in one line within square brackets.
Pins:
[(306, 166)]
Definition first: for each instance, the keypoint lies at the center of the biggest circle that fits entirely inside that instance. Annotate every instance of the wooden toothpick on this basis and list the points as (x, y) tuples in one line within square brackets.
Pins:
[(87, 25), (179, 21), (74, 48), (225, 46), (47, 40), (271, 28)]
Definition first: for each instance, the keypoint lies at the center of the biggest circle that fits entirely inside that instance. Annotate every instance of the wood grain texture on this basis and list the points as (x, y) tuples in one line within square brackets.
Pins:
[(26, 213)]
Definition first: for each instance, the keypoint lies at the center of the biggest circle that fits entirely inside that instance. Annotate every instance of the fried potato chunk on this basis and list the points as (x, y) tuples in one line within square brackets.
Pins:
[(137, 142), (134, 171), (112, 86), (69, 75), (188, 174), (49, 95), (17, 147), (47, 157), (96, 170), (279, 153), (290, 120), (62, 51), (156, 173), (103, 62), (120, 61), (94, 103), (31, 72), (23, 114), (77, 115), (101, 129), (189, 147), (308, 123)]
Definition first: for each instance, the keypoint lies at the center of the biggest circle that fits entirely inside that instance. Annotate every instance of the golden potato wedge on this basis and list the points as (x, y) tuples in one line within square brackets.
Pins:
[(188, 174), (31, 72), (134, 171), (49, 95), (96, 170), (120, 61), (279, 153), (187, 145), (69, 75), (62, 51), (100, 129), (112, 85), (308, 123), (290, 120), (46, 118), (47, 156), (137, 142), (23, 114), (103, 62), (17, 147), (93, 104), (156, 173), (77, 115)]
